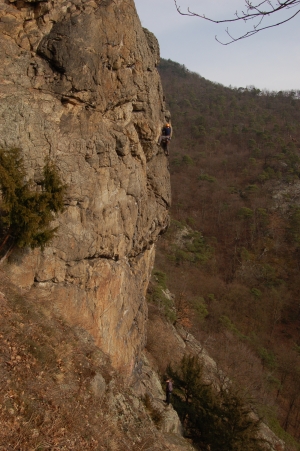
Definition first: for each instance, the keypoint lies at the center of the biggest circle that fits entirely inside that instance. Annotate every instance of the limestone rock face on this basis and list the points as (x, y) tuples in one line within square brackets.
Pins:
[(79, 84)]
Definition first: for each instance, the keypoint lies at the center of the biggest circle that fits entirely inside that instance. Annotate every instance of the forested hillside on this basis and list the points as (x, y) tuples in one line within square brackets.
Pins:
[(232, 253)]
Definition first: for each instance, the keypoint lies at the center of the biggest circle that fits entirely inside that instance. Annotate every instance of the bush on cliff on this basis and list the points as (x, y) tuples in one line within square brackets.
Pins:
[(216, 417), (26, 209)]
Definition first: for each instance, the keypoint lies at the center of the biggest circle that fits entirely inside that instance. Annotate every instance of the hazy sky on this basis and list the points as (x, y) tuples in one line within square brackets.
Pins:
[(270, 59)]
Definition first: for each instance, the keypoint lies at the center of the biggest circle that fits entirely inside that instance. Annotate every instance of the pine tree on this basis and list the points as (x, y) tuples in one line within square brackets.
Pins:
[(214, 416), (25, 211)]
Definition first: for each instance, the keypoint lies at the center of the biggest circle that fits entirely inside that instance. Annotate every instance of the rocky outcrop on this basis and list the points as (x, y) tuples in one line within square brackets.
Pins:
[(167, 344), (59, 391), (79, 84)]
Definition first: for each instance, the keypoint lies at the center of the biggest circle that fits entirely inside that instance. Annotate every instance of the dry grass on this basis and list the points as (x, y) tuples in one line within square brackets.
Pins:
[(49, 399)]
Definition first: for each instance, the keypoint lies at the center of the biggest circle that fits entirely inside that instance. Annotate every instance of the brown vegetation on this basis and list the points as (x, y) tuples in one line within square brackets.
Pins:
[(58, 390), (231, 255)]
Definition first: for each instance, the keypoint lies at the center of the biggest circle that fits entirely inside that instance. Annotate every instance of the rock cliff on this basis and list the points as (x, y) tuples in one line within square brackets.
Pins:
[(79, 84), (59, 391)]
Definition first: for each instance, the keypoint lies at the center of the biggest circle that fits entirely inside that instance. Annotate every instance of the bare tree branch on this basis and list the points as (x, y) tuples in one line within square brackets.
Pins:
[(252, 12)]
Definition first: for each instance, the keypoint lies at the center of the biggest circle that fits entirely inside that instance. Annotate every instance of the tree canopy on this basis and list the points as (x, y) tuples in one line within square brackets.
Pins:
[(232, 253)]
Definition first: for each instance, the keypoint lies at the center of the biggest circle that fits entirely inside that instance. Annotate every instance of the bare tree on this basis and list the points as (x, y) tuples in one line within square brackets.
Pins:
[(256, 12)]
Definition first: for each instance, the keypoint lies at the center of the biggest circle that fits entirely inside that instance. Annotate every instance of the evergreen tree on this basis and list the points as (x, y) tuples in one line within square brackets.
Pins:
[(26, 210), (213, 416)]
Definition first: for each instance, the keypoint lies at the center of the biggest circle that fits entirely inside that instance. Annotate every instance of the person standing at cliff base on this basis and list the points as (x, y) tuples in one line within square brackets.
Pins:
[(169, 389)]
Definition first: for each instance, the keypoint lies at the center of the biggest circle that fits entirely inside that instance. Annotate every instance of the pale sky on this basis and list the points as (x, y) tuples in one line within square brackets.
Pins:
[(269, 60)]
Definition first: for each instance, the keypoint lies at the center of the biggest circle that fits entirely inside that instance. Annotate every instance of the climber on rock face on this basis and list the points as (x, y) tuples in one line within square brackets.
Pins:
[(165, 137)]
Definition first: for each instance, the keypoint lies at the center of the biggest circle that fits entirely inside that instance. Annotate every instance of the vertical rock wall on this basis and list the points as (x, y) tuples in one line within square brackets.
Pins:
[(78, 83)]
